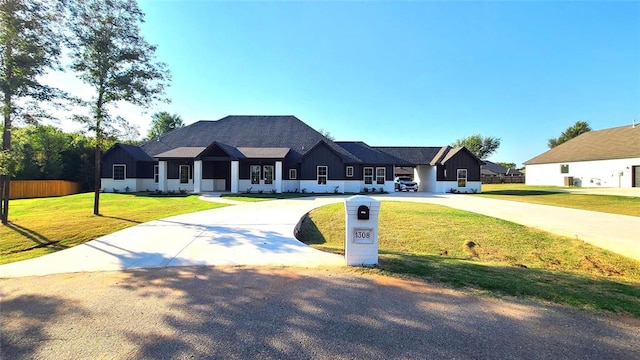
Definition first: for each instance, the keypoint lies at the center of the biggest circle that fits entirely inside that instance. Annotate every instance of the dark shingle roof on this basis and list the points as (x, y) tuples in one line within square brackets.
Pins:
[(370, 155), (136, 152), (491, 168), (615, 143), (413, 154), (247, 132)]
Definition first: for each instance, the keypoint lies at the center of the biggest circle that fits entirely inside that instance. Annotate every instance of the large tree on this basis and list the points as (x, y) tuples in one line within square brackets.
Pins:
[(481, 146), (580, 127), (29, 47), (110, 54), (162, 123)]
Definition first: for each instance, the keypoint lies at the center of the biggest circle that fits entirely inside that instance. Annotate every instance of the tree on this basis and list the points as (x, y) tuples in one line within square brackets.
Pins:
[(480, 146), (326, 134), (162, 123), (110, 54), (580, 127), (507, 165), (39, 151), (29, 46)]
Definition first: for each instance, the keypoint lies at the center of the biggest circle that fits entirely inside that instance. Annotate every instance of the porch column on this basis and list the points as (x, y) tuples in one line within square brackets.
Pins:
[(197, 176), (235, 176), (278, 177), (162, 175)]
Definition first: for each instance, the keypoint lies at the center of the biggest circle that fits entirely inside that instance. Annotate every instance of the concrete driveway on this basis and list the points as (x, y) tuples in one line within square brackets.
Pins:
[(261, 233)]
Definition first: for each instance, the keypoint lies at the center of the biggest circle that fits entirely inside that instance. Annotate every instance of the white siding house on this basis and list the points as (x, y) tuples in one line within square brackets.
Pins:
[(603, 158)]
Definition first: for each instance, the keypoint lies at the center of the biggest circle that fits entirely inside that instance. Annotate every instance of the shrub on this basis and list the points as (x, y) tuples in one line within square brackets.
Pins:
[(248, 191)]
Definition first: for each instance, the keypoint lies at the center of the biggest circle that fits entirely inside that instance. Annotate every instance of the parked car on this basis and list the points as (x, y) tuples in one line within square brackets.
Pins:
[(406, 184)]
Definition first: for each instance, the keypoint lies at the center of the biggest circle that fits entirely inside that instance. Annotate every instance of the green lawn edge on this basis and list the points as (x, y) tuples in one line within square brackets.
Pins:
[(431, 242), (44, 225)]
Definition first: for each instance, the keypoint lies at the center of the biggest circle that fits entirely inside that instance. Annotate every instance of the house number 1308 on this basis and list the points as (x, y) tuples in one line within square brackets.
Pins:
[(363, 236)]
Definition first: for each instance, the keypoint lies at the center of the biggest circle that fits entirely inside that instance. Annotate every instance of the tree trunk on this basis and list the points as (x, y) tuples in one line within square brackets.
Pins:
[(6, 145), (98, 154), (96, 183), (4, 206)]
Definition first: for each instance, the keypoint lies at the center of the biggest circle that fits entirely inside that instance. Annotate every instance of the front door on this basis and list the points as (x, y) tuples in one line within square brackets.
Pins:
[(635, 175)]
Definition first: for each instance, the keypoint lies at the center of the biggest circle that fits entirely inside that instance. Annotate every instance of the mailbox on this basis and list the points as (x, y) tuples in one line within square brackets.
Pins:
[(361, 230), (363, 212)]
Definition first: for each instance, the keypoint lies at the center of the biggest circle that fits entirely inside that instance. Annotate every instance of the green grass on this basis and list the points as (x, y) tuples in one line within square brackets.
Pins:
[(42, 226), (544, 195), (434, 242)]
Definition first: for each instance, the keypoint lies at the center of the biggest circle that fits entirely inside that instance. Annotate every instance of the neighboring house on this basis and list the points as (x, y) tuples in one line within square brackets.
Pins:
[(268, 154), (493, 173), (603, 158), (441, 169)]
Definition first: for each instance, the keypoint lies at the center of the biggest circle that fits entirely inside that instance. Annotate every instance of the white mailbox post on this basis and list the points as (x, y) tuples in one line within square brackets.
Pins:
[(361, 238)]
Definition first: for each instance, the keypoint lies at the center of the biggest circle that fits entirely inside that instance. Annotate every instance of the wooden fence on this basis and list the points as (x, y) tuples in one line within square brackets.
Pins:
[(23, 189), (503, 179)]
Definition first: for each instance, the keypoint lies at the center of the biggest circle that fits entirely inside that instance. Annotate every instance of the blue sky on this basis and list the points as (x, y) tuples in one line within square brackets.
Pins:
[(404, 72)]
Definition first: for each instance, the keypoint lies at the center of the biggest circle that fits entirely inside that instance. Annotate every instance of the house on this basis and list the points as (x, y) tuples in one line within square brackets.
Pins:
[(603, 158), (440, 169), (493, 173), (270, 154)]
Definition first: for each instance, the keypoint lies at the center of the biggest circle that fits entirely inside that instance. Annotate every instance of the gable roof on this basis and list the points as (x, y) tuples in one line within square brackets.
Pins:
[(136, 152), (614, 143), (416, 155), (413, 154), (245, 131), (370, 155), (491, 168)]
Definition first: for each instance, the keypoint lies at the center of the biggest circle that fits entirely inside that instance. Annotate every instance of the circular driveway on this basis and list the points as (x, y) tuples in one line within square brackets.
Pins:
[(261, 233)]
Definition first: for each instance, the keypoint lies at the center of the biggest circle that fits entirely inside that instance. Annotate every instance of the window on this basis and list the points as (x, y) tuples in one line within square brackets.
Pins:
[(156, 172), (368, 175), (462, 177), (380, 175), (322, 175), (255, 174), (293, 174), (119, 172), (564, 169), (184, 174), (268, 174), (349, 171)]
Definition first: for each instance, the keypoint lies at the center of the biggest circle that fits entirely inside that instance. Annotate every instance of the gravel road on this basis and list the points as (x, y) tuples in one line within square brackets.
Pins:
[(289, 313)]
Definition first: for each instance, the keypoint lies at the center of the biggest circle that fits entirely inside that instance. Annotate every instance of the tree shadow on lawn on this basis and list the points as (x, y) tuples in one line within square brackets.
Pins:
[(120, 218), (556, 286), (40, 240)]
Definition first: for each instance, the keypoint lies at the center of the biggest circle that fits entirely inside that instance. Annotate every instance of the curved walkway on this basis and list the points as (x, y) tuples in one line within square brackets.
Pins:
[(261, 233)]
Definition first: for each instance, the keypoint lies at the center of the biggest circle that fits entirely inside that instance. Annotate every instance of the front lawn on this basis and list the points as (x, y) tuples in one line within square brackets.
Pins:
[(545, 195), (41, 226), (465, 249)]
